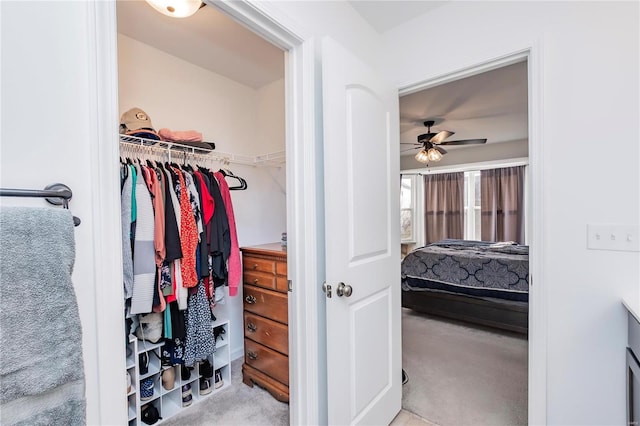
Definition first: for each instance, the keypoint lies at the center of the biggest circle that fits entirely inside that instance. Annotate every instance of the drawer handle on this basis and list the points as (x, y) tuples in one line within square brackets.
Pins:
[(252, 355), (250, 299), (252, 327), (255, 266), (255, 281)]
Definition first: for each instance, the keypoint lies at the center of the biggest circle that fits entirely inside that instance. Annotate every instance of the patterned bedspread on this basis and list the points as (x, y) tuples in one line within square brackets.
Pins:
[(476, 268)]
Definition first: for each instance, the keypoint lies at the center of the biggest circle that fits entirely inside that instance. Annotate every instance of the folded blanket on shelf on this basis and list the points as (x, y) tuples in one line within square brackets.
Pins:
[(42, 371)]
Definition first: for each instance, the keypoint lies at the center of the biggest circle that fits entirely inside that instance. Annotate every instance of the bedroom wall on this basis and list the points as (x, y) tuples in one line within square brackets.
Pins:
[(590, 79), (238, 118)]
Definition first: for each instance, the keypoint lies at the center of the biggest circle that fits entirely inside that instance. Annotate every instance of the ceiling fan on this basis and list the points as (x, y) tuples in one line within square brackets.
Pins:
[(430, 143)]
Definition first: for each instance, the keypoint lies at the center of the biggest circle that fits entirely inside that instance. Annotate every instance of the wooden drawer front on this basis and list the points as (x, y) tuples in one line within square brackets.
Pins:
[(281, 268), (260, 279), (267, 360), (257, 264), (281, 284), (269, 333), (266, 303)]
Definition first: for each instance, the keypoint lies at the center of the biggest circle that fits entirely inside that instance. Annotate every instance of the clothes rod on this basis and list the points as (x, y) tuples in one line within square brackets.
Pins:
[(56, 194)]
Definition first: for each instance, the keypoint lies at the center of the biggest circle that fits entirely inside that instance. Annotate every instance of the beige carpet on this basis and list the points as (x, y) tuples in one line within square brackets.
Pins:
[(239, 404), (461, 374)]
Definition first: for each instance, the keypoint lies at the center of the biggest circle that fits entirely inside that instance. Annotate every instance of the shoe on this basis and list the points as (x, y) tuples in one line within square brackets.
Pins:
[(187, 397), (168, 378), (143, 362), (146, 389), (128, 382), (185, 373), (206, 369), (205, 386), (218, 382)]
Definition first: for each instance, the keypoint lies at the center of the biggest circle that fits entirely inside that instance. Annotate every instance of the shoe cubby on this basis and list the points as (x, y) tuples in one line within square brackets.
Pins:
[(131, 407), (169, 402), (225, 373)]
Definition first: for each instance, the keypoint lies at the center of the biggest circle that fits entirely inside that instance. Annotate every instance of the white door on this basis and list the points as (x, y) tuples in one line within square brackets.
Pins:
[(362, 185)]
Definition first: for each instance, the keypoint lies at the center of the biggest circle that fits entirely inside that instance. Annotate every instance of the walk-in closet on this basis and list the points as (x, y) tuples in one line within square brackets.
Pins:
[(202, 105)]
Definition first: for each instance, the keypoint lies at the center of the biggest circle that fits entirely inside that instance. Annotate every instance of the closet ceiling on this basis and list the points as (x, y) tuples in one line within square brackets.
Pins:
[(208, 39)]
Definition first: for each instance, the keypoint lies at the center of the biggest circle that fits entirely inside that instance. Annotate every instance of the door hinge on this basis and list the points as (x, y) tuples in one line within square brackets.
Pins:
[(289, 286)]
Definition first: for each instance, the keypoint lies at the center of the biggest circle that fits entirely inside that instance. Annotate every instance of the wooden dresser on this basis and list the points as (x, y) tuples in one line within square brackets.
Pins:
[(266, 333)]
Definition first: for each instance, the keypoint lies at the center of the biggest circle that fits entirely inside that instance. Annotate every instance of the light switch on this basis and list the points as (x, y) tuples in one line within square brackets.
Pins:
[(613, 237)]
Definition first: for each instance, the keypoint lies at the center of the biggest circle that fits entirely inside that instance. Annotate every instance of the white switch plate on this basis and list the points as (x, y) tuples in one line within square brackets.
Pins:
[(613, 237)]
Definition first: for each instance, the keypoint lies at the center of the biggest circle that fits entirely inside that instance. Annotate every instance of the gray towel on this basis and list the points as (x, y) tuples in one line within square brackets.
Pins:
[(42, 371)]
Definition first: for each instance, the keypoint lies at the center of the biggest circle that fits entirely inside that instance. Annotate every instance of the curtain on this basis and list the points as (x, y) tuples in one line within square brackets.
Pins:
[(502, 204), (444, 206)]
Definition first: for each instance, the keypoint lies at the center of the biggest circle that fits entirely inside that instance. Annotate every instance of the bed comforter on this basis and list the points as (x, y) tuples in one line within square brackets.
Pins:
[(473, 268)]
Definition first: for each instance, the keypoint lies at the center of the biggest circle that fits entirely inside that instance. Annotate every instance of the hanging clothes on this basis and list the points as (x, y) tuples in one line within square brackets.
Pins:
[(127, 259), (144, 267), (199, 343), (234, 267), (188, 233)]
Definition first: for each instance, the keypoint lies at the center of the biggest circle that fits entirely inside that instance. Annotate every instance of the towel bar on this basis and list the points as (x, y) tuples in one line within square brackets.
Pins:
[(56, 194)]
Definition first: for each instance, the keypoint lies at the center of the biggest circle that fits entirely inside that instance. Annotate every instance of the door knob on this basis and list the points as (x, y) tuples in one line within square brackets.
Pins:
[(344, 290)]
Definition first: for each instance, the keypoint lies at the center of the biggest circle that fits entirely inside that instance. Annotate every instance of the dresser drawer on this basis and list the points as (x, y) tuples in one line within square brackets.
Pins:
[(266, 303), (250, 263), (281, 268), (268, 361), (282, 284), (259, 279), (272, 334)]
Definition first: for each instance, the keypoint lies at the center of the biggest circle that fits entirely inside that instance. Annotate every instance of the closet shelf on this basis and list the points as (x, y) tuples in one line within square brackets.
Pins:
[(177, 151)]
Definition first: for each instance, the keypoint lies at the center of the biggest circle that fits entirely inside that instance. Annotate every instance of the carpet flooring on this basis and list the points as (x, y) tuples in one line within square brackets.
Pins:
[(460, 374), (238, 404)]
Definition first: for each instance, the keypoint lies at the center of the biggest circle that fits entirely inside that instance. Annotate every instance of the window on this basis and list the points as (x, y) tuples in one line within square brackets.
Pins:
[(407, 209), (472, 206)]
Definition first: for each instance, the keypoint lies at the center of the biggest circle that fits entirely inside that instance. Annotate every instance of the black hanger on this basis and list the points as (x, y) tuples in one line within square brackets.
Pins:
[(229, 173)]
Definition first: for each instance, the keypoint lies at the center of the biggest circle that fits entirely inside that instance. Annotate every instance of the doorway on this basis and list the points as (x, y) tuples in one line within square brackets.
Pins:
[(302, 241), (449, 109)]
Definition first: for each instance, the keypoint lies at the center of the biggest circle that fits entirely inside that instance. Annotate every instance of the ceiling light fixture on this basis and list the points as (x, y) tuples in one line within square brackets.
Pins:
[(434, 155), (426, 155), (422, 156), (176, 8)]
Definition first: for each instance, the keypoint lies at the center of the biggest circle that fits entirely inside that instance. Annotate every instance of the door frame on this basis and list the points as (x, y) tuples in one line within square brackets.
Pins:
[(305, 208), (537, 347)]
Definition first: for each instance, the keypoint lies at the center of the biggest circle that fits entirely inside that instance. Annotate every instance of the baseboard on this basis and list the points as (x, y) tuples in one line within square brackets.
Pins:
[(237, 353)]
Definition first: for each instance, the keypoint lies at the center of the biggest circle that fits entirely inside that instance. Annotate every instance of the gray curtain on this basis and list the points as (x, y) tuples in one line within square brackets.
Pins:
[(502, 204), (444, 206)]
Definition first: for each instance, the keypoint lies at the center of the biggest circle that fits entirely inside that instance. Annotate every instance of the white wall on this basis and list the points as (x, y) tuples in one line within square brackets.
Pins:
[(239, 119), (49, 134), (590, 81)]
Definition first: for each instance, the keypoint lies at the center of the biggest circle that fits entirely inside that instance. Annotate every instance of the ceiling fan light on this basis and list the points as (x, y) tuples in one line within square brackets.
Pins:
[(434, 155), (422, 156), (176, 8)]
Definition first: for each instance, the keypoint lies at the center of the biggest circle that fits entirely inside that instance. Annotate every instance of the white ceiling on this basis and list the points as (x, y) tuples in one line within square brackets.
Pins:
[(492, 105), (208, 39), (385, 15)]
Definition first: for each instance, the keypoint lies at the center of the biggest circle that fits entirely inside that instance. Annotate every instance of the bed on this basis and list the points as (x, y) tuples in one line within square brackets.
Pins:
[(480, 282)]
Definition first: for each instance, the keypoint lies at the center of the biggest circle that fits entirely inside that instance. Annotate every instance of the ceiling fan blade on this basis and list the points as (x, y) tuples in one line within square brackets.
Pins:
[(425, 137), (441, 150), (410, 143), (441, 136), (408, 149), (465, 142)]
